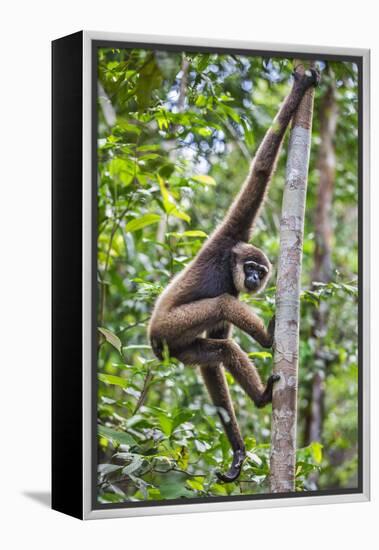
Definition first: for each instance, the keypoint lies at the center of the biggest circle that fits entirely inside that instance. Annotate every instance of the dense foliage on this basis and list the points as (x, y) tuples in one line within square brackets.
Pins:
[(176, 133)]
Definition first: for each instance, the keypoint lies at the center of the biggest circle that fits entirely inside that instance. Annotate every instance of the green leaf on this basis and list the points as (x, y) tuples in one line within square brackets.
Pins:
[(111, 338), (165, 423), (169, 203), (224, 97), (201, 446), (149, 156), (151, 147), (352, 290), (195, 233), (105, 498), (204, 179), (108, 468), (202, 62), (196, 483), (254, 458), (316, 449), (150, 78), (231, 112), (112, 379), (183, 457), (204, 131), (133, 466), (122, 170), (143, 221), (174, 490), (260, 354), (201, 101), (115, 436), (136, 347), (166, 170), (304, 468), (310, 296), (180, 418), (188, 234)]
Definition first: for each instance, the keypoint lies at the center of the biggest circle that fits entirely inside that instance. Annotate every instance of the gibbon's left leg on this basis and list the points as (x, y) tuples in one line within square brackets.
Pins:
[(210, 353), (215, 381), (218, 389)]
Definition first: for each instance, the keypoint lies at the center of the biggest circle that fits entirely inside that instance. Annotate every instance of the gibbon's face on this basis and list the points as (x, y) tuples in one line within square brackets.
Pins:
[(255, 275), (251, 268)]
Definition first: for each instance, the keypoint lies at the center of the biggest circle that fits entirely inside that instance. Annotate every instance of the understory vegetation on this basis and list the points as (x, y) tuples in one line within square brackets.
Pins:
[(176, 134)]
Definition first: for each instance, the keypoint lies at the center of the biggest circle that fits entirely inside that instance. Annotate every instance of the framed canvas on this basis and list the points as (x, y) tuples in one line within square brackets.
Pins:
[(210, 311)]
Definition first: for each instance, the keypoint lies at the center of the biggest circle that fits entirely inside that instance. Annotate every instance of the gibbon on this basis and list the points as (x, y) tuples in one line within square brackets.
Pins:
[(194, 314)]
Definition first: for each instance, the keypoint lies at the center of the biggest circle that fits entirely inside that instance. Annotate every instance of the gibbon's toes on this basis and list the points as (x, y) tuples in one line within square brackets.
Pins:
[(311, 77), (229, 477), (235, 469), (314, 76)]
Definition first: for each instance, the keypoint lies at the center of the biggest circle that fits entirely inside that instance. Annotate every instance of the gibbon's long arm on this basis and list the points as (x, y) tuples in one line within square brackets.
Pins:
[(245, 209)]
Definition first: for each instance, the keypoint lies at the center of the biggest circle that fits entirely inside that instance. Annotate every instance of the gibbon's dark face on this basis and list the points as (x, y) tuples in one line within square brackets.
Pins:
[(251, 268), (255, 275)]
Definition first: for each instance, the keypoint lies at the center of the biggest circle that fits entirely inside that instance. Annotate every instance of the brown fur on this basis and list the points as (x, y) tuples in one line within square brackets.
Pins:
[(204, 297)]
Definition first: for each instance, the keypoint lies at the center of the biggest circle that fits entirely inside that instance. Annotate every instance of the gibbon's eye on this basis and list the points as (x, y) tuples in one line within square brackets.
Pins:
[(250, 266), (262, 271)]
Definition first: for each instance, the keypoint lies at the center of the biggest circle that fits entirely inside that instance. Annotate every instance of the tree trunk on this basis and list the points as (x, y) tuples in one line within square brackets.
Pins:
[(322, 271), (284, 403)]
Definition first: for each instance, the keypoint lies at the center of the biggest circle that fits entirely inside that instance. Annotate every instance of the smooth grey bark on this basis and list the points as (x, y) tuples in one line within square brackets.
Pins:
[(286, 347)]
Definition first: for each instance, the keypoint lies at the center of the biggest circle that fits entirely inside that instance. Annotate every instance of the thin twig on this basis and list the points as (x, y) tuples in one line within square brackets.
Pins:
[(177, 470), (129, 327), (143, 394)]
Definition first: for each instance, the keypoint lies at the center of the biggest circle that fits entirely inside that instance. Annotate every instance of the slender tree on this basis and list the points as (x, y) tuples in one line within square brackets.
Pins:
[(322, 271), (284, 405)]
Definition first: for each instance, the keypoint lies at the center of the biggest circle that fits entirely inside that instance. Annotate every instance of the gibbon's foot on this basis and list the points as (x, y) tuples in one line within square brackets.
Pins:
[(314, 76), (235, 469), (311, 77), (267, 394)]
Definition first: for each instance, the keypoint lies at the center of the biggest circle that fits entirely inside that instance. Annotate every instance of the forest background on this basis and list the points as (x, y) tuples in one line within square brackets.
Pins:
[(176, 134)]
